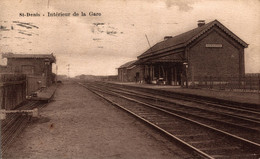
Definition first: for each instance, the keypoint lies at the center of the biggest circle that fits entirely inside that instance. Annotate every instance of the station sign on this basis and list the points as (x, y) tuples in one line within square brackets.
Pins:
[(214, 45)]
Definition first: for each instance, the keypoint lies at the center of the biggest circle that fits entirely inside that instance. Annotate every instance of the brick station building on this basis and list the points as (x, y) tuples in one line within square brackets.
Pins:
[(130, 72), (209, 50), (35, 66)]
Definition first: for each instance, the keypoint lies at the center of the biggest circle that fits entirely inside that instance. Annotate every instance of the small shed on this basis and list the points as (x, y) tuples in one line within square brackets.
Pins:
[(130, 72), (36, 67)]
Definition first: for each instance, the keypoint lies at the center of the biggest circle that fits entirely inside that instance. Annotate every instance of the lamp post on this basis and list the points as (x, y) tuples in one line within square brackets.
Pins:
[(186, 65)]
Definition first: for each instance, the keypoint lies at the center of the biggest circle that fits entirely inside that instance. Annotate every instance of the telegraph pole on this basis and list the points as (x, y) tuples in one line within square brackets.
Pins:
[(68, 65)]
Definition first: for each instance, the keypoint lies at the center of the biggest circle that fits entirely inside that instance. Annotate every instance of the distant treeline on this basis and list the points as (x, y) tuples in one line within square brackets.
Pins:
[(97, 78)]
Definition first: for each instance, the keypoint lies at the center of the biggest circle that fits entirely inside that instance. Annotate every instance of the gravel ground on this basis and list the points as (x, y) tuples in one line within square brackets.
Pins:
[(78, 124)]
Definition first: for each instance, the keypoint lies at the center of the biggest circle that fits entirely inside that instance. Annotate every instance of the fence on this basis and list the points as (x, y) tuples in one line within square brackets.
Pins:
[(12, 90), (250, 82)]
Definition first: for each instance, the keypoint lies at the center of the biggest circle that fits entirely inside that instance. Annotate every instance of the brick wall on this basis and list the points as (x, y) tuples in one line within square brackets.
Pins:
[(37, 65), (122, 75), (131, 74), (128, 75), (215, 61), (16, 65)]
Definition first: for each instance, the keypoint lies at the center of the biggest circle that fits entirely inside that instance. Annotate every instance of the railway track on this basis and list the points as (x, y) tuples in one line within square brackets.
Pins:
[(191, 97), (14, 123), (235, 110), (199, 134), (236, 123)]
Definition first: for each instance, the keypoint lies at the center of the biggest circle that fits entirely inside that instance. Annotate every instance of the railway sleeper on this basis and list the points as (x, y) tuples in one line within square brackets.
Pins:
[(192, 137), (236, 156), (235, 137), (203, 144), (228, 151)]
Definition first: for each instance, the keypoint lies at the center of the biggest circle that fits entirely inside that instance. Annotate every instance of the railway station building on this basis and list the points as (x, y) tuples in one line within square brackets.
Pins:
[(130, 72), (37, 67), (209, 50)]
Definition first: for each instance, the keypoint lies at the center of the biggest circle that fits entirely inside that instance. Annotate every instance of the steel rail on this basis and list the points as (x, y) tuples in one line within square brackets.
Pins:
[(239, 117), (15, 125), (199, 152), (187, 119), (229, 114), (202, 101), (239, 139), (196, 108)]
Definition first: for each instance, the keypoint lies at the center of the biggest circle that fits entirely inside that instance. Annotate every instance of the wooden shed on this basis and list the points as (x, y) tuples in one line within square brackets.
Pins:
[(36, 67)]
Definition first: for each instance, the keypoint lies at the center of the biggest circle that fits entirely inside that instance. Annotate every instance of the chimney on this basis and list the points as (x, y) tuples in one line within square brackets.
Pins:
[(167, 37), (201, 23)]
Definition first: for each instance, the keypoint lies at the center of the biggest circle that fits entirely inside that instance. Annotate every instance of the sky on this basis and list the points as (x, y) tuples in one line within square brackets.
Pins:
[(98, 45)]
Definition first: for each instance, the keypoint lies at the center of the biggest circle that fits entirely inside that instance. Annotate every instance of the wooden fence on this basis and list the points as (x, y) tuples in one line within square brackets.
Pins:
[(12, 90), (250, 82)]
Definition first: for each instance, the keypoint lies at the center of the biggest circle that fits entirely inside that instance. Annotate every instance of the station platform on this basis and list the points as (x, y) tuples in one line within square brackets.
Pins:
[(78, 124), (46, 94), (227, 95)]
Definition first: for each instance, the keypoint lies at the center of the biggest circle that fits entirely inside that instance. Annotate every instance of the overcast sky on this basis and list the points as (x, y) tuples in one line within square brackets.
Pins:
[(99, 44)]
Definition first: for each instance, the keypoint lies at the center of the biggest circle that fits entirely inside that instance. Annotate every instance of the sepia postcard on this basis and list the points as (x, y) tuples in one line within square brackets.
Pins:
[(130, 79)]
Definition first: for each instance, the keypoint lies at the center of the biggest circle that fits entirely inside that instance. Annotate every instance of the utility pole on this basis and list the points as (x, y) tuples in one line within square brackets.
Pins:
[(68, 65)]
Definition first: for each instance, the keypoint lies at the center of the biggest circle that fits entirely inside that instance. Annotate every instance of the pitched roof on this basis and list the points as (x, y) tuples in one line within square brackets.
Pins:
[(37, 56), (128, 64), (186, 38)]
